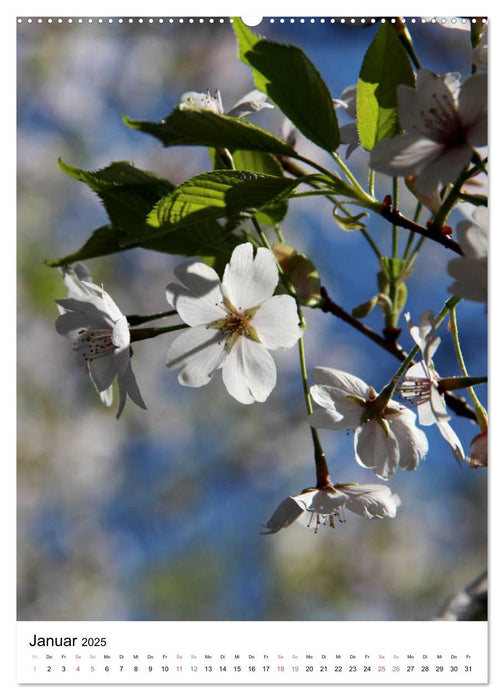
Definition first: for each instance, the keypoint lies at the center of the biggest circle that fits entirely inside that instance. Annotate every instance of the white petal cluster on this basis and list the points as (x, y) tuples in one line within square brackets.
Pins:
[(234, 324), (383, 442), (253, 101), (420, 385), (325, 505), (443, 122), (470, 271), (100, 334)]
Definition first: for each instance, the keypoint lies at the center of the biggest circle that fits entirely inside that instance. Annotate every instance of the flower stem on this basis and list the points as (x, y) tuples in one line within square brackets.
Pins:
[(321, 467), (386, 393), (145, 333), (481, 414), (450, 200), (406, 40), (371, 182), (279, 233), (358, 192), (352, 179), (395, 204), (137, 320)]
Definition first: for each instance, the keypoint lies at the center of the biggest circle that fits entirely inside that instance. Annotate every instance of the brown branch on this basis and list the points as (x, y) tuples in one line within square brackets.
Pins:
[(456, 403), (436, 234), (469, 604)]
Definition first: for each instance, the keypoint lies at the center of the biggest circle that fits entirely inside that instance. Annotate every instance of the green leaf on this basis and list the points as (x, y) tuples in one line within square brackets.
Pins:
[(189, 126), (386, 65), (350, 223), (103, 241), (266, 164), (217, 194), (292, 82), (209, 241), (128, 195)]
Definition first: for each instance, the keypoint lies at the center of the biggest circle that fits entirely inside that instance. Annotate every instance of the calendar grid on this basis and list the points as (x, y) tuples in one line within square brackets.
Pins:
[(259, 652)]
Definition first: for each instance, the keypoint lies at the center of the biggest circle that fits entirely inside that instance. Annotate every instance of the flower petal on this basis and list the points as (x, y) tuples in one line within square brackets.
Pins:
[(249, 372), (473, 103), (128, 385), (471, 278), (107, 396), (199, 351), (341, 408), (201, 100), (287, 512), (277, 322), (376, 450), (407, 154), (371, 500), (452, 439), (321, 501), (444, 168), (412, 441), (249, 281), (102, 371), (328, 419), (345, 382), (253, 101), (202, 301)]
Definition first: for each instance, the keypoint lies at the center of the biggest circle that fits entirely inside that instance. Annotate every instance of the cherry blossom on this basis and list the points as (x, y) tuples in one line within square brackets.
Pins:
[(470, 271), (101, 337), (234, 323), (326, 504), (254, 101), (384, 439), (420, 386), (73, 276), (443, 122)]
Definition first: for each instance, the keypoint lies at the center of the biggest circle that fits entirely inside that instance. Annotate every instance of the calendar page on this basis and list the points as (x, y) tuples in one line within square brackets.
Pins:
[(252, 350)]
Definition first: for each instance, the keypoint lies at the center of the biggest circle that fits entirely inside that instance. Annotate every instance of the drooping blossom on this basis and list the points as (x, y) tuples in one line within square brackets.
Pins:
[(74, 275), (383, 440), (443, 122), (420, 385), (478, 454), (348, 132), (253, 101), (100, 335), (234, 324), (325, 505), (471, 270)]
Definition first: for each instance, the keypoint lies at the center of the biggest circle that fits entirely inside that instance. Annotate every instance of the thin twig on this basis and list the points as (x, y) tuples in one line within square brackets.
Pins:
[(433, 232), (456, 403)]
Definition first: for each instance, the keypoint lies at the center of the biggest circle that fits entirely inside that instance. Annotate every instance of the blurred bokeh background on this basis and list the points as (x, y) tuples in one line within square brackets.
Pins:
[(158, 516)]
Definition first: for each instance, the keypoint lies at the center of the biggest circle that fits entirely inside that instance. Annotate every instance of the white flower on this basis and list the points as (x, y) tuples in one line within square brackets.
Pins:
[(325, 504), (420, 385), (471, 270), (384, 441), (74, 276), (101, 337), (253, 101), (348, 132), (234, 324), (443, 122)]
